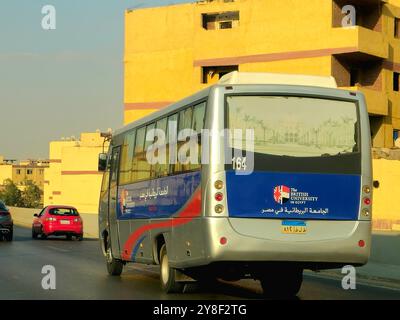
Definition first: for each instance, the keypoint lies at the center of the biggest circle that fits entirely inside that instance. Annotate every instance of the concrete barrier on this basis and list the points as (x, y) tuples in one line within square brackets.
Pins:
[(23, 217), (386, 248)]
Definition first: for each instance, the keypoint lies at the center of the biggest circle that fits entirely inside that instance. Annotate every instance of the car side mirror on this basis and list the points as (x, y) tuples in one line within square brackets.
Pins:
[(102, 166), (36, 215)]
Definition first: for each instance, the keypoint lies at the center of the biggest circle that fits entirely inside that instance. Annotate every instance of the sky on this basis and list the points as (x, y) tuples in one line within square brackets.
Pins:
[(59, 83)]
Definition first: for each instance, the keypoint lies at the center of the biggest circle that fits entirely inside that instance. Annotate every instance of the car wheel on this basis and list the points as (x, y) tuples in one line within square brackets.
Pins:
[(167, 274), (9, 236), (79, 237), (43, 236), (34, 234), (69, 237), (114, 266), (284, 283)]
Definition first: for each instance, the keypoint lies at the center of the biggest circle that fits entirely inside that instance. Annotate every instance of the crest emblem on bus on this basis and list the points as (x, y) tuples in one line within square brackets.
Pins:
[(281, 194)]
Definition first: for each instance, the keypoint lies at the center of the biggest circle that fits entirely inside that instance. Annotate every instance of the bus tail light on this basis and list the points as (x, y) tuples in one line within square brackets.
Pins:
[(367, 201), (361, 243), (223, 240), (365, 212), (219, 196), (366, 189), (218, 184), (219, 208)]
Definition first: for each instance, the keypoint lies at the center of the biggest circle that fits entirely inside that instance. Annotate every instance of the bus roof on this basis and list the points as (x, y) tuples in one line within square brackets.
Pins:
[(236, 77)]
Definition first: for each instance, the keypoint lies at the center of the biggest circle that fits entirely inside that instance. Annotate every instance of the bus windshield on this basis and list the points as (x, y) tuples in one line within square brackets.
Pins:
[(294, 126)]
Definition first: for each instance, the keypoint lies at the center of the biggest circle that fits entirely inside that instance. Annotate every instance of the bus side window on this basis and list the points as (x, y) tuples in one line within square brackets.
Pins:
[(138, 159), (161, 169), (197, 126), (171, 141), (185, 122), (127, 153), (147, 167)]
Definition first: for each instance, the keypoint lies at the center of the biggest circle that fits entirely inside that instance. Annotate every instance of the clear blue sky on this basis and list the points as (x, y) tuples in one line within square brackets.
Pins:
[(60, 82)]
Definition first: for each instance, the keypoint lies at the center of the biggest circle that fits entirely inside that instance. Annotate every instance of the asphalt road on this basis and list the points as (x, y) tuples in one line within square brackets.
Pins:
[(81, 274)]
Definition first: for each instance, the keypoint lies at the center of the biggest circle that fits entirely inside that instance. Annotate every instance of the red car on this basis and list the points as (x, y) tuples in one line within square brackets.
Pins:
[(58, 221)]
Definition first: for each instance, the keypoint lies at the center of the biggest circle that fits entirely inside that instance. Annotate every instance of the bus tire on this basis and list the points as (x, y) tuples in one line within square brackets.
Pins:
[(284, 283), (167, 274), (114, 266)]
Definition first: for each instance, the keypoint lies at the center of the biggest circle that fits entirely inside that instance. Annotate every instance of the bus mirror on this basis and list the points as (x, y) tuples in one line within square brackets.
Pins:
[(102, 162)]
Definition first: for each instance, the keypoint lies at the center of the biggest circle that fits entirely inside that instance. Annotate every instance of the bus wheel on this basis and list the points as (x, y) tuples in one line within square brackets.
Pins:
[(283, 283), (167, 274), (114, 266)]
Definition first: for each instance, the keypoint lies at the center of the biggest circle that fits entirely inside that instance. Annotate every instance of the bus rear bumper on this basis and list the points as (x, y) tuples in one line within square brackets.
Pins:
[(261, 240)]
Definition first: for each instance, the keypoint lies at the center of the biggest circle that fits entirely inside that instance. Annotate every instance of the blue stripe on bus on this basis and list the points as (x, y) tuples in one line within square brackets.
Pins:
[(135, 250)]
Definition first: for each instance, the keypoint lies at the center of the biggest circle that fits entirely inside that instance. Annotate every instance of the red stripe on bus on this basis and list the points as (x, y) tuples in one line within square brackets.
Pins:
[(192, 210)]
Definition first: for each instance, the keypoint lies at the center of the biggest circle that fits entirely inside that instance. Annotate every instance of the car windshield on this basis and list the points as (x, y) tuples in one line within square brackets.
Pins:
[(3, 206), (63, 212)]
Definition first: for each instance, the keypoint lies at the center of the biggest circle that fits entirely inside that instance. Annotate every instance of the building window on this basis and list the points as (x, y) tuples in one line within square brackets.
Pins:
[(41, 171), (221, 20), (396, 76), (396, 135), (396, 27), (29, 171), (213, 74), (18, 171)]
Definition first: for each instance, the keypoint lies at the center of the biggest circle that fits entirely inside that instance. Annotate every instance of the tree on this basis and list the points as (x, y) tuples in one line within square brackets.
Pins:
[(31, 195), (11, 195)]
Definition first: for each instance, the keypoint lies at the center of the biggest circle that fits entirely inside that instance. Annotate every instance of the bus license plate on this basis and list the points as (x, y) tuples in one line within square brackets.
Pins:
[(294, 227)]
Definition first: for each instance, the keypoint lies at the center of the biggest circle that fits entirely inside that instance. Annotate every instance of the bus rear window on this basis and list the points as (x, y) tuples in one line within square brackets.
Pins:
[(294, 126)]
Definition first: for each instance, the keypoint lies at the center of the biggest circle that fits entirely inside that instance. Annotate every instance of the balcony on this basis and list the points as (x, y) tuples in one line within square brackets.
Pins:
[(363, 44), (377, 101)]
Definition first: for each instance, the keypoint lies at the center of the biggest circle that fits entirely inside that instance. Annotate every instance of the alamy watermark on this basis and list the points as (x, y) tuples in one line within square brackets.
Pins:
[(49, 18), (349, 20), (49, 280), (349, 280), (183, 147)]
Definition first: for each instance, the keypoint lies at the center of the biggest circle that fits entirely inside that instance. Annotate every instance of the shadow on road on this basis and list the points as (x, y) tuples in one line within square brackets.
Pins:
[(235, 289)]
